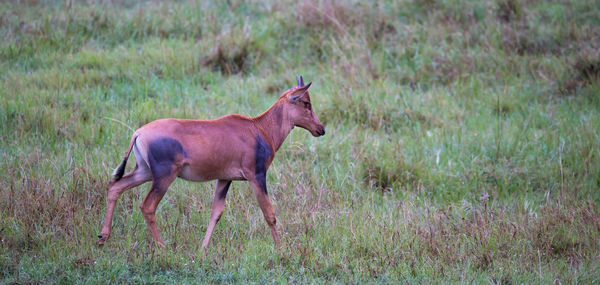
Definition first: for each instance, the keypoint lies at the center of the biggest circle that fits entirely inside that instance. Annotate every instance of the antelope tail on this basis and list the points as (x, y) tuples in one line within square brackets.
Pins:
[(120, 170)]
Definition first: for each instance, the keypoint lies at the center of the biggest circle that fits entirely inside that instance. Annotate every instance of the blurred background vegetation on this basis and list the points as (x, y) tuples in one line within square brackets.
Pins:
[(462, 139)]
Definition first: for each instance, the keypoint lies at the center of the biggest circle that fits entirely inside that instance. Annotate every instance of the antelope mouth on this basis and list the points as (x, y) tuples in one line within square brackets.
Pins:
[(319, 132)]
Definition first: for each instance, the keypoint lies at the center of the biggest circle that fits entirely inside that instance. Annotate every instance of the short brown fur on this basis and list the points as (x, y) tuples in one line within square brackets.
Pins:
[(224, 149)]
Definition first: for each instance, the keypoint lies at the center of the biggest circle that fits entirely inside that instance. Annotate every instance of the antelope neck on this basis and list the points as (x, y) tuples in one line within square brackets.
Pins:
[(275, 124)]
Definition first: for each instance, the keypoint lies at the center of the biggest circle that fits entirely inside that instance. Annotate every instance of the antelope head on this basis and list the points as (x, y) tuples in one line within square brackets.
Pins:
[(300, 111)]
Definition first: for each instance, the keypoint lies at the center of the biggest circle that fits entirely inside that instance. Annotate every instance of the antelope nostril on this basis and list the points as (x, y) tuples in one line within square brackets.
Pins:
[(323, 131)]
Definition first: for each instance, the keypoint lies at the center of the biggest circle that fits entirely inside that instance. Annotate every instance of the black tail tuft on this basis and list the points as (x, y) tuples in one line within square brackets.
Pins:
[(120, 170)]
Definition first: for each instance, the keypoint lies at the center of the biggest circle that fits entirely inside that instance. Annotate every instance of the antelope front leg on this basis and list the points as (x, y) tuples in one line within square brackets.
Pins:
[(217, 209), (260, 191)]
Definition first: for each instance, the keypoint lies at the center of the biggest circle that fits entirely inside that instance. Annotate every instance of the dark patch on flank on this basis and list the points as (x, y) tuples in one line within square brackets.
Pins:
[(223, 193), (162, 154), (263, 152)]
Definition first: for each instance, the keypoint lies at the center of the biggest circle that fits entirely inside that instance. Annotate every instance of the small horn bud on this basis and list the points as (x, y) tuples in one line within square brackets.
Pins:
[(298, 81), (301, 81)]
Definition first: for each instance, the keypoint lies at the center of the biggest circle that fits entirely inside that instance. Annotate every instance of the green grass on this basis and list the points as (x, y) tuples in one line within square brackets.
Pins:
[(462, 140)]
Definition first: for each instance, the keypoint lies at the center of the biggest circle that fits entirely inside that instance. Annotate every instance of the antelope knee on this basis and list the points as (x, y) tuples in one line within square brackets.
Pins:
[(216, 218), (271, 220), (146, 211), (112, 196)]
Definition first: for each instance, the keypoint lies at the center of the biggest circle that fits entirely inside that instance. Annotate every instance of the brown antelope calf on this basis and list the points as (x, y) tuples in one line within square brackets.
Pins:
[(233, 147)]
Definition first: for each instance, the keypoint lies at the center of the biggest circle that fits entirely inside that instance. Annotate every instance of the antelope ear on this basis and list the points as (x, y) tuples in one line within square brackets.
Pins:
[(298, 93)]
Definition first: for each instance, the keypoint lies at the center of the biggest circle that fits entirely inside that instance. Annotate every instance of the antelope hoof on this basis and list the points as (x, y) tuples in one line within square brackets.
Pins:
[(101, 239)]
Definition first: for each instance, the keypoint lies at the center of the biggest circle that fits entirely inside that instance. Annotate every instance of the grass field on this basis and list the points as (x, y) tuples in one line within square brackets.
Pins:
[(462, 140)]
